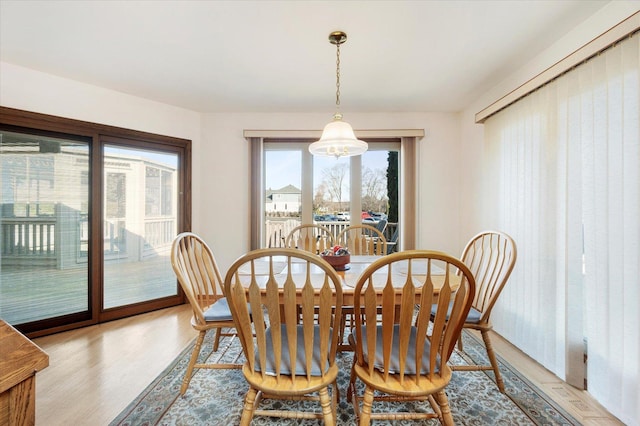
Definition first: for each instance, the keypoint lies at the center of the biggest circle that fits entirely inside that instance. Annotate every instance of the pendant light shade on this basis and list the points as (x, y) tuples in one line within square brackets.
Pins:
[(338, 139)]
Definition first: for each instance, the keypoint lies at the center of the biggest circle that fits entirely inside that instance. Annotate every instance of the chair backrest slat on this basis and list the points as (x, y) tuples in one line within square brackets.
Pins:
[(291, 316), (370, 312), (245, 318), (422, 322)]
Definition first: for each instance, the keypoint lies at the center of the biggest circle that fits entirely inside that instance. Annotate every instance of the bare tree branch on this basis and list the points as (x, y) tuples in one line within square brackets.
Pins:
[(374, 187), (334, 181)]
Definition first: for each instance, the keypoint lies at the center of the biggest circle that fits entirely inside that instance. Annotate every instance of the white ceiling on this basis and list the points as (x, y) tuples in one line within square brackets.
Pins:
[(274, 56)]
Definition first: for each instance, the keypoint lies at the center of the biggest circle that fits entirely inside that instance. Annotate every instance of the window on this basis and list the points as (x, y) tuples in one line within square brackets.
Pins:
[(334, 192)]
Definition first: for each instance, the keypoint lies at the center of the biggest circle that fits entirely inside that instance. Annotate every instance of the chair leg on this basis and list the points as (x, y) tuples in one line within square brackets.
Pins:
[(216, 342), (192, 362), (335, 400), (351, 389), (325, 402), (367, 403), (435, 407), (249, 407), (492, 359), (460, 348), (443, 402), (346, 316)]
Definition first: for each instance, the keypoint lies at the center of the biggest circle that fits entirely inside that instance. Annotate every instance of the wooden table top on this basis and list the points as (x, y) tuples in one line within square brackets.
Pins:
[(20, 358)]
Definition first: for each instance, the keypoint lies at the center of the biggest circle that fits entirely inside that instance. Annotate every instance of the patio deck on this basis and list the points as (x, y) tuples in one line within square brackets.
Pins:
[(30, 293)]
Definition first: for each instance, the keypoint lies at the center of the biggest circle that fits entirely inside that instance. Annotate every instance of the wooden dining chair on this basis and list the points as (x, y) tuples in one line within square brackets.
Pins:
[(491, 256), (399, 353), (196, 269), (312, 238), (363, 240), (292, 355)]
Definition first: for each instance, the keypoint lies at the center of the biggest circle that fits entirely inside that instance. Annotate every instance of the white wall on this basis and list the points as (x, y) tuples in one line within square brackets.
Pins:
[(30, 90)]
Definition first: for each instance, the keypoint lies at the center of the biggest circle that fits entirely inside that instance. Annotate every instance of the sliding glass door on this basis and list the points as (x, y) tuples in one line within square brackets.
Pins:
[(44, 211), (88, 214), (140, 222)]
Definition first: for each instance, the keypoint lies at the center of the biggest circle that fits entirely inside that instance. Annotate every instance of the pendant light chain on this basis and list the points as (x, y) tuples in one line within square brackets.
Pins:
[(338, 139), (338, 75)]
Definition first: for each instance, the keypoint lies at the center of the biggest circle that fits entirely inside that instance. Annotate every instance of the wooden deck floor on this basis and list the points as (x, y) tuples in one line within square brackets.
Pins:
[(30, 293)]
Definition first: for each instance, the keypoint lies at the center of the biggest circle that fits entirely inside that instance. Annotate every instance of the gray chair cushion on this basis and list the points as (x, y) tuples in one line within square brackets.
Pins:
[(473, 317), (394, 364), (317, 366), (219, 311)]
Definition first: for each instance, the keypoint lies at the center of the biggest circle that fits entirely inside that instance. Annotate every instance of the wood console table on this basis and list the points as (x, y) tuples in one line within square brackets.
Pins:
[(20, 359)]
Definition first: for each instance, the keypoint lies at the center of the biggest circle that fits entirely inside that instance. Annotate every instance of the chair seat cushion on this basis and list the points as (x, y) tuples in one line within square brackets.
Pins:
[(394, 364), (219, 311), (317, 366), (473, 317)]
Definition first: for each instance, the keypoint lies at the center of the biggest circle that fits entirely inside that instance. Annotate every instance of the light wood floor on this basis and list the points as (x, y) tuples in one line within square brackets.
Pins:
[(96, 371)]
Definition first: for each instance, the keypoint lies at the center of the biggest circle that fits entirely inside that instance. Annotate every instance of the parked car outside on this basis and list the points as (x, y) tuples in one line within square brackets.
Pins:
[(378, 215), (344, 216)]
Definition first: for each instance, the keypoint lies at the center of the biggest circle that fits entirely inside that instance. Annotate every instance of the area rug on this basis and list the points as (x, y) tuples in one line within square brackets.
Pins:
[(215, 397)]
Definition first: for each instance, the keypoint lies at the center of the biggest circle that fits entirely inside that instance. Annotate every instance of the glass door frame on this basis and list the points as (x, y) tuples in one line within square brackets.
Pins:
[(29, 122), (107, 314)]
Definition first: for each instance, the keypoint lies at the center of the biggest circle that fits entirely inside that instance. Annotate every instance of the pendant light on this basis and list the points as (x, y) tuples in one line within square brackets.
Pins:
[(338, 139)]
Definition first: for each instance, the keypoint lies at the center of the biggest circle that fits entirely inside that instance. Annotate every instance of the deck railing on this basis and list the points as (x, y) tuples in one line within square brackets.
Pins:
[(23, 240), (38, 240), (28, 238), (276, 230), (158, 235)]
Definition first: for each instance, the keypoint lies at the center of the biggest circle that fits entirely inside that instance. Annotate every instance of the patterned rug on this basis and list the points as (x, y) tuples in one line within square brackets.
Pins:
[(215, 397)]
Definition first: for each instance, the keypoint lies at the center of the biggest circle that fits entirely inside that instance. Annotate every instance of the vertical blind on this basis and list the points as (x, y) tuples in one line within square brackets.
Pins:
[(562, 177)]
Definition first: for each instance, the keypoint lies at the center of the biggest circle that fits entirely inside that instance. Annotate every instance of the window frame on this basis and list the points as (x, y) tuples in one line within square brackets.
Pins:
[(408, 179)]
